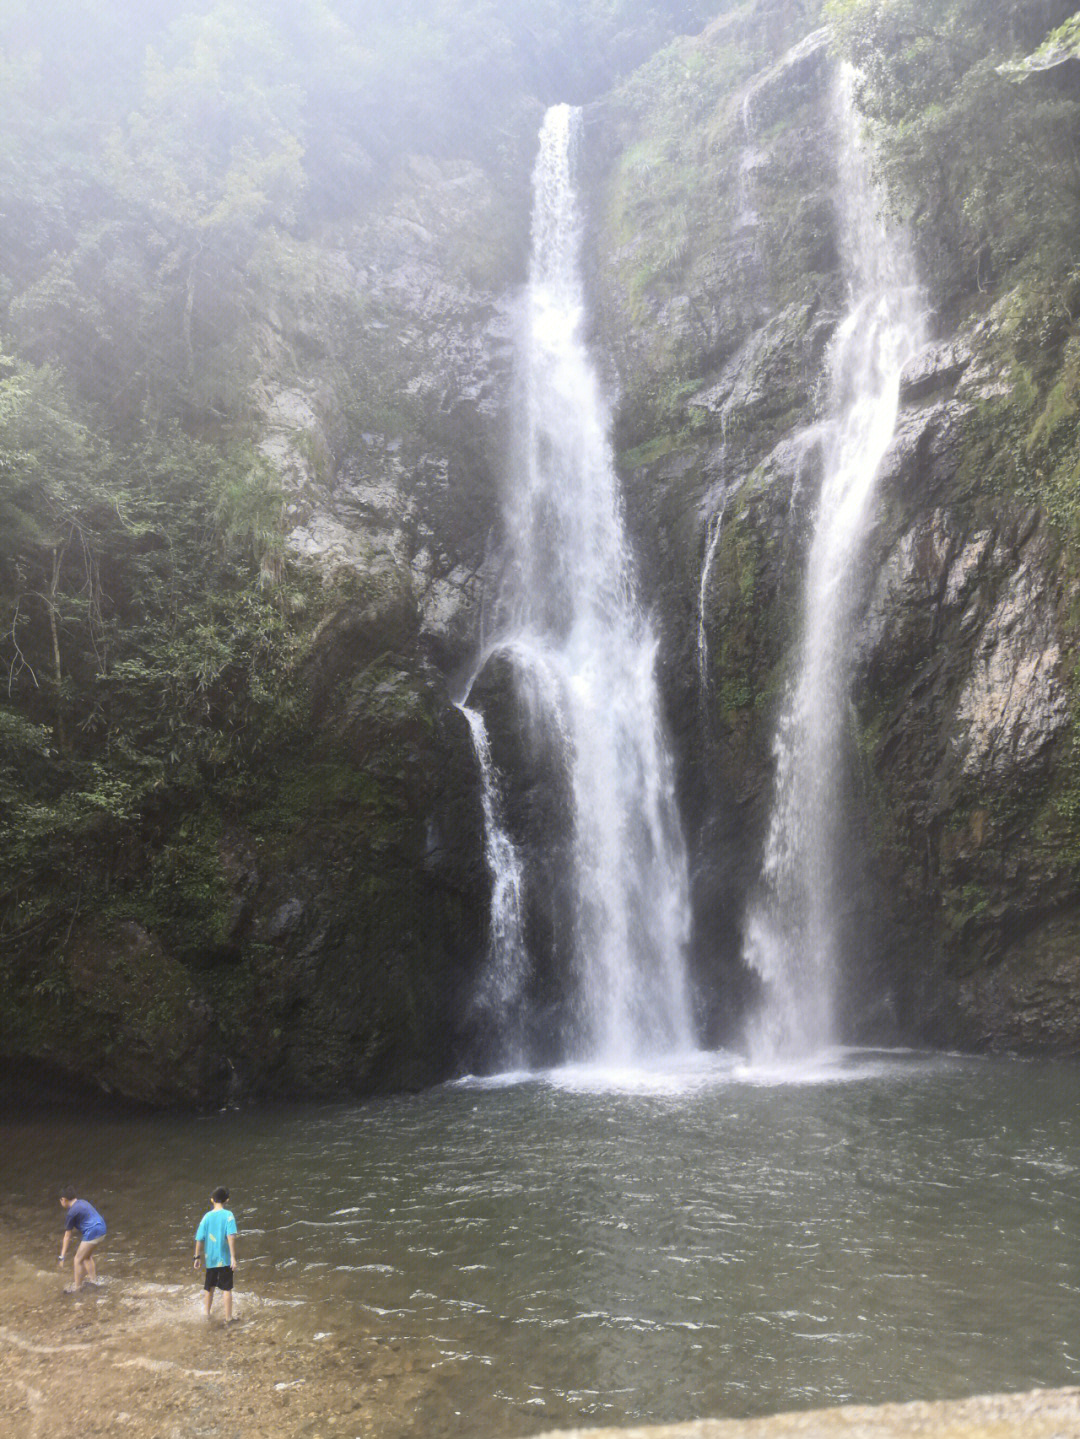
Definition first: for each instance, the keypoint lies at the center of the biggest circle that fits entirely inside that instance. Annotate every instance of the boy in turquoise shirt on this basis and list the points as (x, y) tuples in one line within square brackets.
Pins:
[(216, 1235)]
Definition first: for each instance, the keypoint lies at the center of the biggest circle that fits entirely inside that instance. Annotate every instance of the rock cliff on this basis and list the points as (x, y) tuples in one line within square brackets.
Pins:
[(715, 261), (321, 928)]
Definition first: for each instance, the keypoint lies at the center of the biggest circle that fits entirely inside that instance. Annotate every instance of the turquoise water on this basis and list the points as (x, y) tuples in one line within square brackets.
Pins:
[(645, 1246)]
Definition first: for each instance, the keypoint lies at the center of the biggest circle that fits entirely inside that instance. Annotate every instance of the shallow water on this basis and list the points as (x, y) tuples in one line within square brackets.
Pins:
[(650, 1245)]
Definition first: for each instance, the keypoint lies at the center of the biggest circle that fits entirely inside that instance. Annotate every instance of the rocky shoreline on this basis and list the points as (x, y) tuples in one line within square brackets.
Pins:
[(136, 1357)]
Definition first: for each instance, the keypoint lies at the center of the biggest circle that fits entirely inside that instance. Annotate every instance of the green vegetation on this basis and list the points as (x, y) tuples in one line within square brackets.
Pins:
[(988, 173), (151, 641), (692, 275), (986, 170), (172, 181)]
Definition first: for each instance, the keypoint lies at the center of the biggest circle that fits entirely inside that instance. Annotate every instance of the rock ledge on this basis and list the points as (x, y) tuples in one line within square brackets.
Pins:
[(1043, 1414)]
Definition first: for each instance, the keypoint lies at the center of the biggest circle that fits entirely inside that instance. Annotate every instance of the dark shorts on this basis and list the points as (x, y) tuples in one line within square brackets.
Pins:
[(218, 1278)]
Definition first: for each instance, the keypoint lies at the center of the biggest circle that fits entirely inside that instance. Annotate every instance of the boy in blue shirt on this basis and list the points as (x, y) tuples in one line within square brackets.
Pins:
[(217, 1235), (81, 1215)]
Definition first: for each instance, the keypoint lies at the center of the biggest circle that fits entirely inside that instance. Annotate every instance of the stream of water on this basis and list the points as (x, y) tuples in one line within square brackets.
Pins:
[(792, 939), (591, 1246), (506, 967)]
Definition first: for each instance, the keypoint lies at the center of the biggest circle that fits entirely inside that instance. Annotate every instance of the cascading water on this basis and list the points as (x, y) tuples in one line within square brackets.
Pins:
[(713, 533), (748, 163), (506, 970), (583, 656), (792, 938)]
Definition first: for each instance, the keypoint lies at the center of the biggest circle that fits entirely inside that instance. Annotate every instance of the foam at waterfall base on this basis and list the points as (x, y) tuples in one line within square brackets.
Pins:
[(709, 1069)]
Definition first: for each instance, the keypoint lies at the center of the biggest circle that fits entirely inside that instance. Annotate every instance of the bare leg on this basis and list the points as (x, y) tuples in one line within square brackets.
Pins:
[(78, 1268), (228, 1306), (208, 1299), (84, 1266)]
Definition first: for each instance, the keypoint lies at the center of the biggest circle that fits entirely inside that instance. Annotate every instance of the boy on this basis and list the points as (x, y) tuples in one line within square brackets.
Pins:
[(81, 1215), (217, 1232)]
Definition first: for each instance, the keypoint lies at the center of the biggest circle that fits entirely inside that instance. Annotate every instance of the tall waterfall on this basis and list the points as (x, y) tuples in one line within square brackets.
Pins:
[(584, 655), (792, 932)]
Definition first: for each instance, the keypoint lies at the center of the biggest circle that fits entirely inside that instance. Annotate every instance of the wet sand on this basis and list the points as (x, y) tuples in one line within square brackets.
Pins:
[(137, 1357)]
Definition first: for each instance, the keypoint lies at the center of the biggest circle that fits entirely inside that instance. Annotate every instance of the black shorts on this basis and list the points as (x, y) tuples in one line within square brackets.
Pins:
[(218, 1278)]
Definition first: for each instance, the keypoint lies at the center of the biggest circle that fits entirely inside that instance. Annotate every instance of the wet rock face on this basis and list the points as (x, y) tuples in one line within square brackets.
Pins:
[(933, 371), (799, 76), (1013, 703), (538, 816), (382, 397), (332, 930), (1027, 1001), (964, 721), (332, 944), (384, 400), (121, 999), (370, 915)]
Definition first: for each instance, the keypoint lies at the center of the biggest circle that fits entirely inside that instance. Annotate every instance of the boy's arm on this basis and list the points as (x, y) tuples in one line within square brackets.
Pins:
[(232, 1249), (200, 1235), (64, 1245)]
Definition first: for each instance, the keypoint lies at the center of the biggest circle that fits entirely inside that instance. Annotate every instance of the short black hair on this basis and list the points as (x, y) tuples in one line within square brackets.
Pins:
[(69, 1192), (220, 1194)]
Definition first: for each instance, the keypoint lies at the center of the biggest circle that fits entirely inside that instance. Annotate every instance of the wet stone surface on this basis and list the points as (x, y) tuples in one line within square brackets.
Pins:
[(138, 1358), (1043, 1414)]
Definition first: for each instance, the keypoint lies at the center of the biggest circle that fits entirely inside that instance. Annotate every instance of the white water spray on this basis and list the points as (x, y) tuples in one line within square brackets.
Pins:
[(748, 163), (713, 531), (792, 938), (506, 970), (583, 655)]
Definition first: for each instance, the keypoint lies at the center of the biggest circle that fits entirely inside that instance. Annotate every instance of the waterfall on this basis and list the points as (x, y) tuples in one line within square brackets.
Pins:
[(583, 655), (748, 161), (506, 969), (713, 531), (792, 931)]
